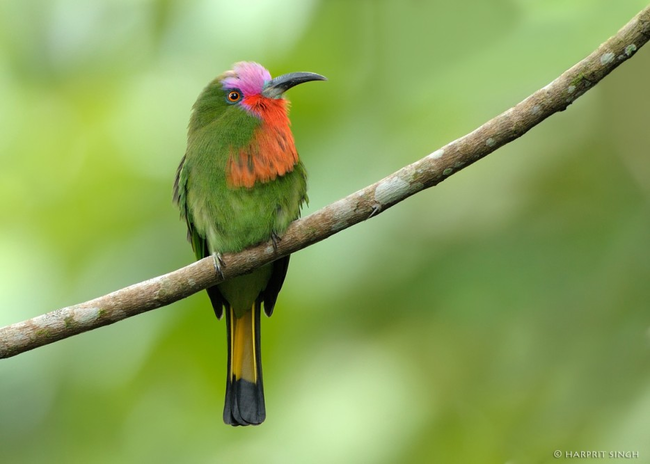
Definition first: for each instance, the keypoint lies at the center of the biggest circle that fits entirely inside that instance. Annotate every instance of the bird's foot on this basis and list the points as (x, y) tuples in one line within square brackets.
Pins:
[(275, 238), (219, 263)]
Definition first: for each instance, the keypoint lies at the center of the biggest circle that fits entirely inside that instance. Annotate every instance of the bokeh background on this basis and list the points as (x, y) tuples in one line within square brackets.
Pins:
[(495, 318)]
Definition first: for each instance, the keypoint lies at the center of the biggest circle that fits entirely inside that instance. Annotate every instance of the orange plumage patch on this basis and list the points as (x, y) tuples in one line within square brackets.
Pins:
[(271, 152)]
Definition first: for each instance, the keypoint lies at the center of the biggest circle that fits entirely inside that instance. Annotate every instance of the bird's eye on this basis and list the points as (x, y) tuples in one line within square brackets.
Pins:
[(234, 96)]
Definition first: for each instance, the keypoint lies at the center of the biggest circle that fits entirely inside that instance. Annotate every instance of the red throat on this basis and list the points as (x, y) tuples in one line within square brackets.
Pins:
[(271, 151)]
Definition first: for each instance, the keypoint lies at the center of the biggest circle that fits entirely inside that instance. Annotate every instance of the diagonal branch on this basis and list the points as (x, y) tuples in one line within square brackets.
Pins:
[(357, 207)]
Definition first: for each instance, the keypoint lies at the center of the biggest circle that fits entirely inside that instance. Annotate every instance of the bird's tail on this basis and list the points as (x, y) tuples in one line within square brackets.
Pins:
[(244, 389)]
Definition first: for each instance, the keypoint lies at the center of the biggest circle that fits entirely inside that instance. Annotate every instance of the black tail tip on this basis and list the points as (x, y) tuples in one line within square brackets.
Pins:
[(244, 403)]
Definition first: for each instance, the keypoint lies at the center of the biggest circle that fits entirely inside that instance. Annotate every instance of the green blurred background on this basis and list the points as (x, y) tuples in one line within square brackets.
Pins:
[(495, 318)]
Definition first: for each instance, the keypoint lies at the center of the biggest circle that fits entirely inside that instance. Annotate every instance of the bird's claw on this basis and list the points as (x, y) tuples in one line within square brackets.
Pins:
[(219, 263), (275, 238)]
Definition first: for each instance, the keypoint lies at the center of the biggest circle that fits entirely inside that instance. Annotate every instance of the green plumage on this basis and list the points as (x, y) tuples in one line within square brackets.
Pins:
[(222, 218), (230, 219)]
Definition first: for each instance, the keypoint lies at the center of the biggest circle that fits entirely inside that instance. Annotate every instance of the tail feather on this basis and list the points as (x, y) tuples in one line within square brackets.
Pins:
[(244, 389)]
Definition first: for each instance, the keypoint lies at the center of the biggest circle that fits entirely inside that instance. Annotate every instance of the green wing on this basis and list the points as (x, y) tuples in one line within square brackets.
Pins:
[(199, 243)]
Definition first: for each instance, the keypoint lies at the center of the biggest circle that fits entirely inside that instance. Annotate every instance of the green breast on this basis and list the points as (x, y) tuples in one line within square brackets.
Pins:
[(231, 219)]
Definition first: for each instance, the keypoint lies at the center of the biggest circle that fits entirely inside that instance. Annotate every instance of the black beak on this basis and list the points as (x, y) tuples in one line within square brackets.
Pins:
[(278, 85)]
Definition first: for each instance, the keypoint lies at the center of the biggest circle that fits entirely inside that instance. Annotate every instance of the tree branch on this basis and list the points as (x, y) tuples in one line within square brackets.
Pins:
[(361, 205)]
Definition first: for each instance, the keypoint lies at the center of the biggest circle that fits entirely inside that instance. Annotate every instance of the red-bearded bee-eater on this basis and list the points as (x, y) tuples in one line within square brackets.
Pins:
[(241, 183)]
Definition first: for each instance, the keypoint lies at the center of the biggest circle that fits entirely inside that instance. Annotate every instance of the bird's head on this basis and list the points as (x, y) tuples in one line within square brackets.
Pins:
[(245, 109), (250, 86)]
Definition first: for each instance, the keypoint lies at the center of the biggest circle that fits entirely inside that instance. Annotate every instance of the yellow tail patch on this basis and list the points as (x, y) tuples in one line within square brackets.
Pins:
[(243, 364)]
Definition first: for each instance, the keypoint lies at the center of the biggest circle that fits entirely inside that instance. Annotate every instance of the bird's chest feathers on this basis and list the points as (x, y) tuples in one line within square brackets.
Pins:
[(271, 151)]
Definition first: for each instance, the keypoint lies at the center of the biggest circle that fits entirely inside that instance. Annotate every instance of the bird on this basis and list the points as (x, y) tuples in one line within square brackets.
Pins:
[(240, 183)]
